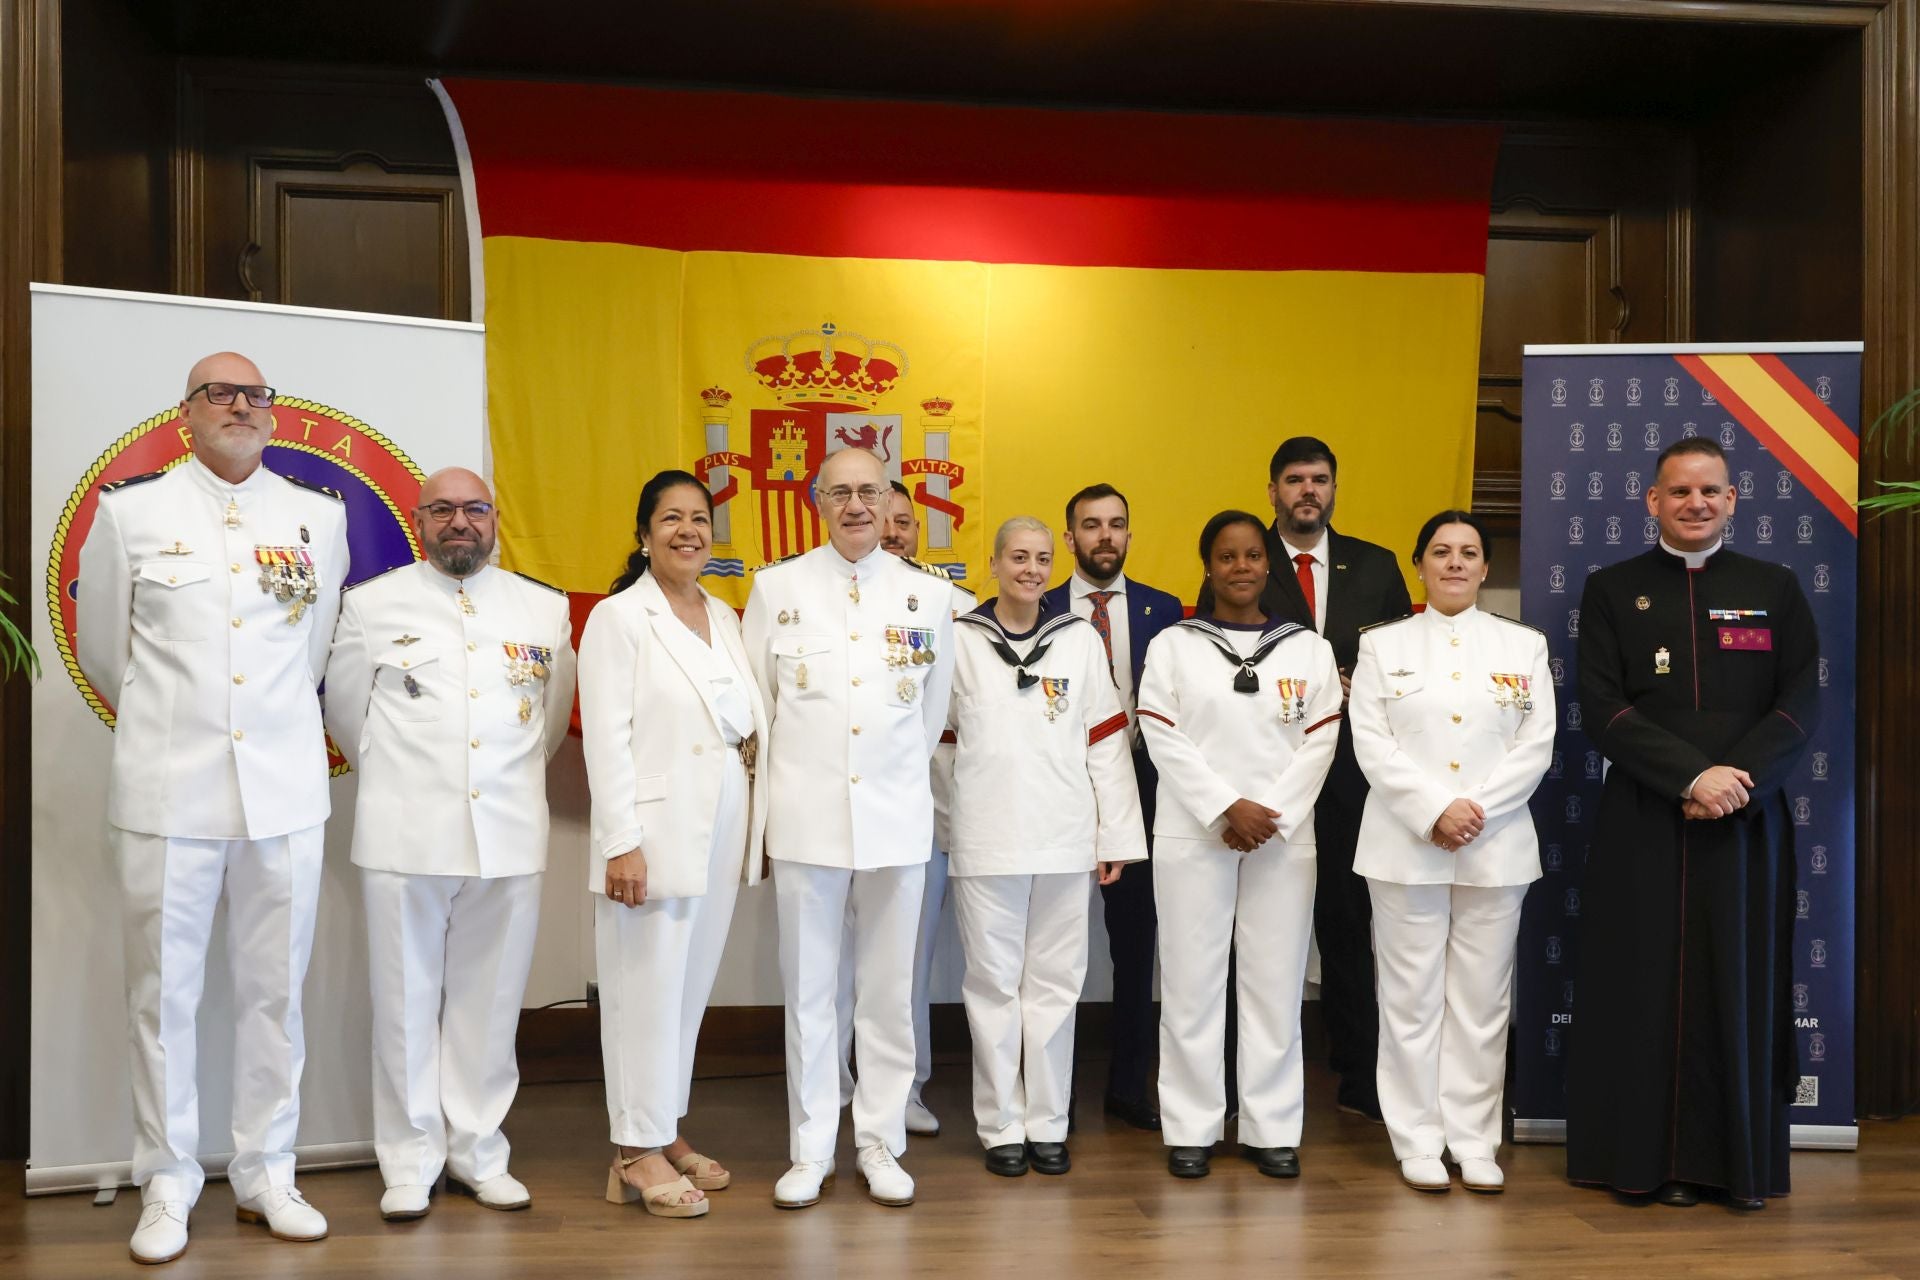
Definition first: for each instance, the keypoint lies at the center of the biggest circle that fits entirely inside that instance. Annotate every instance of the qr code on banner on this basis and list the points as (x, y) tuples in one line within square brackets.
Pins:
[(1808, 1092)]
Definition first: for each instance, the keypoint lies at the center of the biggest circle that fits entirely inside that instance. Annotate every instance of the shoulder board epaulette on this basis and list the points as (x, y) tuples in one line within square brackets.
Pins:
[(113, 486), (1388, 622), (536, 582), (385, 573), (1516, 622), (939, 573), (782, 560), (309, 485)]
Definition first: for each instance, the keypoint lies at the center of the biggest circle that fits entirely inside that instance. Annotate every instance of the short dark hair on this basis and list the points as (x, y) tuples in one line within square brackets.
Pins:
[(1301, 449), (1705, 446), (1092, 493), (1452, 516), (903, 491)]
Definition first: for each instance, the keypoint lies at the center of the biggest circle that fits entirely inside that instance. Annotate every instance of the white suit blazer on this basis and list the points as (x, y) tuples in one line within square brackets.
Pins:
[(655, 752), (449, 719), (1431, 724), (1043, 775), (1213, 745), (852, 724), (211, 677)]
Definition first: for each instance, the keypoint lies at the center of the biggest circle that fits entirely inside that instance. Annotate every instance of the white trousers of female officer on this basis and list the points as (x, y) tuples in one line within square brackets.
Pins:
[(448, 959), (1025, 939), (1444, 956), (170, 888), (1209, 896), (657, 964), (814, 903)]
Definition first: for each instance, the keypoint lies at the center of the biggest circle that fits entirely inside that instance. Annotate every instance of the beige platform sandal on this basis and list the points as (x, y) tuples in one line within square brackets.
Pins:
[(662, 1201), (702, 1172)]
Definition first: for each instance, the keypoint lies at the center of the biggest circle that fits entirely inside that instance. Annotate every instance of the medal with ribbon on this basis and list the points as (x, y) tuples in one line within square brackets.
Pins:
[(287, 574), (527, 663), (1055, 689)]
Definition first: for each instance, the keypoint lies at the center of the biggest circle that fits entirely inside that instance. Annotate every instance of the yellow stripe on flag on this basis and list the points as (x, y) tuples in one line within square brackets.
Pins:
[(1796, 428)]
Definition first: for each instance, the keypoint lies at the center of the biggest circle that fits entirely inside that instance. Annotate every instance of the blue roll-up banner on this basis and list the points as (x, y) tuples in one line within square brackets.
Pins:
[(1594, 419)]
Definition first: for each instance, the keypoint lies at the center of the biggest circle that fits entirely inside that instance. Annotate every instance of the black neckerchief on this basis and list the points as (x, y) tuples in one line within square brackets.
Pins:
[(1244, 681), (1043, 637)]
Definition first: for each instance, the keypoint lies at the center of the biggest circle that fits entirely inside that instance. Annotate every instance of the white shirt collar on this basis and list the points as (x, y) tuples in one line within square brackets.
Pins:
[(1694, 559), (847, 568), (1318, 550), (452, 585), (1078, 588), (1458, 622), (203, 476)]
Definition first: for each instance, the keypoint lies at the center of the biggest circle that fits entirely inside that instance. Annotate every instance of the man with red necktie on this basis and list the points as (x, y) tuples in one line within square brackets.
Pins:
[(1337, 585)]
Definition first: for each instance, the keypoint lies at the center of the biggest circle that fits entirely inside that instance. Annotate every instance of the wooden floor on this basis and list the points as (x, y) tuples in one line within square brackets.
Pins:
[(1117, 1215)]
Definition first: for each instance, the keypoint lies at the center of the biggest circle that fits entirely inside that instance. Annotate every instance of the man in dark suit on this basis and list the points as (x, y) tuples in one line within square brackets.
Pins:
[(1337, 585), (1128, 615)]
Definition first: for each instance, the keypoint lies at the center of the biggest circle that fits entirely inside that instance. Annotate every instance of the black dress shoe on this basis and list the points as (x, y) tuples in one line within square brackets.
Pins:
[(1189, 1162), (1009, 1161), (1276, 1162), (1364, 1105), (1745, 1205), (1141, 1115), (1681, 1195), (1049, 1157)]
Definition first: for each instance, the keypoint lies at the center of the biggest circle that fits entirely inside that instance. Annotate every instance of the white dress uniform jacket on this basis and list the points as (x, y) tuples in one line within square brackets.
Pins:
[(1210, 752), (964, 602), (450, 717), (654, 741), (212, 678), (853, 724), (1043, 773), (1445, 708)]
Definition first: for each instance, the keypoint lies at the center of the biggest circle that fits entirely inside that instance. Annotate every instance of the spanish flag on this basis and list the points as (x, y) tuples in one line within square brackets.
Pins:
[(1002, 304)]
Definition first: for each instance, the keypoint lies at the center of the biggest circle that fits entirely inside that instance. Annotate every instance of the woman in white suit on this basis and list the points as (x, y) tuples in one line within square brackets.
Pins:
[(1453, 718), (671, 719), (1043, 803), (1241, 714)]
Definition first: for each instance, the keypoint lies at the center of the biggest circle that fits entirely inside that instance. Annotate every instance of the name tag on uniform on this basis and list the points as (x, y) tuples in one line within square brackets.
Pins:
[(1754, 638)]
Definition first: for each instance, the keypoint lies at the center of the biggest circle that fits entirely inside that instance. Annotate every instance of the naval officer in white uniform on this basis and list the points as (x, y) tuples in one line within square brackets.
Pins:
[(1453, 719), (449, 689), (853, 651), (207, 598)]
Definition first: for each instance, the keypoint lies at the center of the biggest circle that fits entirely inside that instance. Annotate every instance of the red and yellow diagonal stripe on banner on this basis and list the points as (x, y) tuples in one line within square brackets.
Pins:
[(1784, 414), (1001, 304)]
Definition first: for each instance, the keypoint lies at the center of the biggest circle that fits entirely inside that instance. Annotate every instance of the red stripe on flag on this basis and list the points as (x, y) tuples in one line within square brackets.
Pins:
[(1107, 728), (1816, 409), (838, 178), (1729, 399)]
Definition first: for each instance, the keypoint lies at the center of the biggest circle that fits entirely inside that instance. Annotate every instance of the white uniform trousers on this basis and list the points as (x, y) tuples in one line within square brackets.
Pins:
[(448, 958), (1444, 956), (1026, 944), (170, 888), (932, 901), (1262, 902), (813, 903), (657, 963)]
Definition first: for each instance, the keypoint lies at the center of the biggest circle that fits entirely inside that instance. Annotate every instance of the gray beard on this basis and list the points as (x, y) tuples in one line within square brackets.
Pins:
[(462, 560)]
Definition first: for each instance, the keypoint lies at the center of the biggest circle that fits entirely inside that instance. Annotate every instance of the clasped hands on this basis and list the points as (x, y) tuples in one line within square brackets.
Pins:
[(1250, 824), (1717, 793), (1458, 825)]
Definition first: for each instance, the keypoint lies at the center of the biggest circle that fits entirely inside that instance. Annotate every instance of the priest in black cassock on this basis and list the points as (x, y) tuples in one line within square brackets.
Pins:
[(1698, 678)]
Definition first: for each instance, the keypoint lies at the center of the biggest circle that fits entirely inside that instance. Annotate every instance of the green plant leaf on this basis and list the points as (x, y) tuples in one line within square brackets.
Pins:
[(16, 650)]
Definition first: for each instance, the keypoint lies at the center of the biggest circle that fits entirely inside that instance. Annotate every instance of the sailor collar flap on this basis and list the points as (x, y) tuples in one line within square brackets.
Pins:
[(1043, 637), (1244, 681)]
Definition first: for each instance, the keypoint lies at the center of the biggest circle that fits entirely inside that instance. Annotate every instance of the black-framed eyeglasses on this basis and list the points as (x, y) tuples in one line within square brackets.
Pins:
[(224, 392), (441, 512)]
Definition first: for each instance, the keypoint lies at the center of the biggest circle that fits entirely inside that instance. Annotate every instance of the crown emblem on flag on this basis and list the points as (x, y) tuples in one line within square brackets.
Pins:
[(937, 406), (717, 397), (825, 366)]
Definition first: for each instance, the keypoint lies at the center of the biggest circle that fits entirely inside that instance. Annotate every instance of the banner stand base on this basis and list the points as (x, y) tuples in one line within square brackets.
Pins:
[(103, 1177), (1804, 1137)]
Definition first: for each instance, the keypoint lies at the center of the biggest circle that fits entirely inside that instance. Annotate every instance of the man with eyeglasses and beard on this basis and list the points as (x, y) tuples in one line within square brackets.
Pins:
[(1127, 615), (206, 601), (450, 687), (1337, 586), (853, 651)]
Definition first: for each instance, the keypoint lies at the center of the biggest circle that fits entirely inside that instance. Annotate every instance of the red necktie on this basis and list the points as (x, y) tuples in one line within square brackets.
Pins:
[(1102, 623), (1303, 570)]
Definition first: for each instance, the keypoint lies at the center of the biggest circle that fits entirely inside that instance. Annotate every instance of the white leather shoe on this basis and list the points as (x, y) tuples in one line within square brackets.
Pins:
[(887, 1183), (405, 1203), (504, 1192), (286, 1213), (162, 1233), (800, 1186), (1482, 1175), (1426, 1173), (921, 1122)]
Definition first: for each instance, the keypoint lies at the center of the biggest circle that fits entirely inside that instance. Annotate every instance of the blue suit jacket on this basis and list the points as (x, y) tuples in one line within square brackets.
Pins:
[(1149, 612)]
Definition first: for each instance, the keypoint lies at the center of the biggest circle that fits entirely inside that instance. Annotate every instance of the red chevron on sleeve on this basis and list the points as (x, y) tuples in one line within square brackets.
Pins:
[(1107, 728), (1321, 724), (1157, 716)]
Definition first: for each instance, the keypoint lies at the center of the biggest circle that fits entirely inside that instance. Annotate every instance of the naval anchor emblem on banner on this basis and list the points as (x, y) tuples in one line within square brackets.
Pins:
[(312, 442), (829, 388)]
